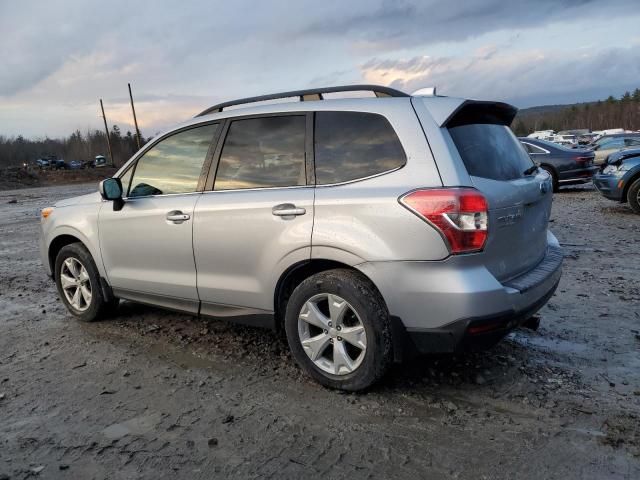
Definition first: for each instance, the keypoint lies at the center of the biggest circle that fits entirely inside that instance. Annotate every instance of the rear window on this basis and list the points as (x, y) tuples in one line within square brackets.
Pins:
[(490, 151), (353, 145)]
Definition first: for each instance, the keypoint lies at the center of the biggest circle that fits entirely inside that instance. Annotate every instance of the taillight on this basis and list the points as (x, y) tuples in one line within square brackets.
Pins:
[(460, 214), (584, 159)]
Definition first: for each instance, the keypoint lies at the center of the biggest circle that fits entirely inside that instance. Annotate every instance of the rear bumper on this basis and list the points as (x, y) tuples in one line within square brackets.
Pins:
[(607, 185), (440, 304), (473, 333)]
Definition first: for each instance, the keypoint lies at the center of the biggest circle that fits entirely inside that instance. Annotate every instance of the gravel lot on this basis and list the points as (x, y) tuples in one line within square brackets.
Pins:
[(154, 394)]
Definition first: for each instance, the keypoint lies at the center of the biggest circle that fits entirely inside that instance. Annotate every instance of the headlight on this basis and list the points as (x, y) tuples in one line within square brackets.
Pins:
[(610, 169)]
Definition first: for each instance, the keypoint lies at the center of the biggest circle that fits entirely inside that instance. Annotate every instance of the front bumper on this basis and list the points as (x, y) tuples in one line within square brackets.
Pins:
[(608, 186), (44, 254), (455, 304)]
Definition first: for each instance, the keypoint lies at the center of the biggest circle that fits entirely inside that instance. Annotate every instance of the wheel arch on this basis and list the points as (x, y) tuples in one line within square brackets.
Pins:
[(549, 166), (297, 273), (57, 244), (66, 236), (627, 186)]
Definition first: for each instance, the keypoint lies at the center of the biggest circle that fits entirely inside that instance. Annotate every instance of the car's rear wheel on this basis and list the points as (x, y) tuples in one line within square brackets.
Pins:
[(633, 196), (554, 177), (338, 329), (78, 282)]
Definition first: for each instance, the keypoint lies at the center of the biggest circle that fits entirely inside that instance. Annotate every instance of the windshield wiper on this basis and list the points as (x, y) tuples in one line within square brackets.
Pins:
[(530, 170)]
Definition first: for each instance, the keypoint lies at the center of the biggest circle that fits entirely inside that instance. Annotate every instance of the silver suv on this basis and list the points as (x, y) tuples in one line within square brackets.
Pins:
[(366, 229)]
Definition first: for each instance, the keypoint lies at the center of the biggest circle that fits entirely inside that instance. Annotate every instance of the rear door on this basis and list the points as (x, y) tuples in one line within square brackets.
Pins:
[(519, 202), (256, 217)]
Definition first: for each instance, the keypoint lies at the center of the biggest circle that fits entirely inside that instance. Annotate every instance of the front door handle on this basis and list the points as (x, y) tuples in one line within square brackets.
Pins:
[(176, 216), (288, 210)]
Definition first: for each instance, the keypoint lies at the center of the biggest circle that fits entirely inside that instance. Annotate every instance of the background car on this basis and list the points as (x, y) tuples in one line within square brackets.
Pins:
[(99, 161), (565, 165), (619, 178), (76, 164), (608, 144), (59, 164), (42, 163)]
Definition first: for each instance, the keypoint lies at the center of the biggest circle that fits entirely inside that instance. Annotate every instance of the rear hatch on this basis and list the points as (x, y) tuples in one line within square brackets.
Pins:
[(519, 196)]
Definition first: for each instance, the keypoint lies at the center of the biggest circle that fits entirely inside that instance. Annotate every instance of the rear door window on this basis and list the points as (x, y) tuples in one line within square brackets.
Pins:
[(490, 151), (530, 148), (354, 145), (263, 152)]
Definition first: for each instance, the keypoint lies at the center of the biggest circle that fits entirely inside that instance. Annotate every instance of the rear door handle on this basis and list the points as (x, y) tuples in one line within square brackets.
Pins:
[(176, 216), (288, 210)]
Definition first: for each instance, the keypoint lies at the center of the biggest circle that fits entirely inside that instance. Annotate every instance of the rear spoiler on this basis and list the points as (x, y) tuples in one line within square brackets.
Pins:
[(452, 112), (475, 111)]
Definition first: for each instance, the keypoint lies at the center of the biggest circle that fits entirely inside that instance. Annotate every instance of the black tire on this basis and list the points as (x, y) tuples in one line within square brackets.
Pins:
[(633, 196), (98, 307), (554, 178), (366, 301)]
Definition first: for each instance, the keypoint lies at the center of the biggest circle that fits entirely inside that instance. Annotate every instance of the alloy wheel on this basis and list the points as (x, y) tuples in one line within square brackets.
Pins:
[(332, 334), (76, 284)]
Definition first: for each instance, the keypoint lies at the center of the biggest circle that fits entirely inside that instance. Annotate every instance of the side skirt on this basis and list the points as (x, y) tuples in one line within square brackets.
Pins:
[(245, 316)]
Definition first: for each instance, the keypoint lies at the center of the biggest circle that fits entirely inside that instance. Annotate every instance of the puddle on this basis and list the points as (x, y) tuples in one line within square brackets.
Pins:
[(183, 359), (588, 431), (554, 345), (134, 426)]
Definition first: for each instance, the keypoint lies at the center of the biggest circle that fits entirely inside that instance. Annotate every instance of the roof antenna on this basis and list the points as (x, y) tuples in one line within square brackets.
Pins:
[(425, 92)]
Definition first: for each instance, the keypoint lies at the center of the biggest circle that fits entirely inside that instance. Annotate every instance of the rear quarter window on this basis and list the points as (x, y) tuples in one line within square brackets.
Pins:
[(354, 145), (490, 151)]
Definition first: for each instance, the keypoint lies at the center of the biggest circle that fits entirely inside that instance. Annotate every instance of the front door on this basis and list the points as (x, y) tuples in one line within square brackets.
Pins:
[(147, 246)]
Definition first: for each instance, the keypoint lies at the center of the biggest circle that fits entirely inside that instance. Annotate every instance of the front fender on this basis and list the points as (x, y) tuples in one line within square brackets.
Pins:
[(78, 221)]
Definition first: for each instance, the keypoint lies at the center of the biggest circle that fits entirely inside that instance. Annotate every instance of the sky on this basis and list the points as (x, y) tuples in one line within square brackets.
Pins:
[(57, 58)]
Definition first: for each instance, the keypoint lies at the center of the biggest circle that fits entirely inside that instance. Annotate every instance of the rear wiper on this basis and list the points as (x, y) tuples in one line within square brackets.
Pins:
[(530, 170)]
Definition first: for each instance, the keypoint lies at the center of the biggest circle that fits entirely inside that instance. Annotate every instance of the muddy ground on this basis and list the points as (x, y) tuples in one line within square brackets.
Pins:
[(19, 177), (153, 394)]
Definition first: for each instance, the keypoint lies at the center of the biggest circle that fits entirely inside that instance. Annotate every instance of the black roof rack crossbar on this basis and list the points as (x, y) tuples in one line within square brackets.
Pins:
[(310, 94)]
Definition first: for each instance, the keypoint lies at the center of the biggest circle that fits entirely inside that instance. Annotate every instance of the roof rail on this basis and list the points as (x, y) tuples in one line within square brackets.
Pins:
[(307, 95)]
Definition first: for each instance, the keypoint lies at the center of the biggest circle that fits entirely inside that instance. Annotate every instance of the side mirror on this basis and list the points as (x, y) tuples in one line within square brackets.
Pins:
[(111, 189)]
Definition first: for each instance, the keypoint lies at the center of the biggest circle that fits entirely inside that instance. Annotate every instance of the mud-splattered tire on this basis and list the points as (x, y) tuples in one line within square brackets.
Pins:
[(633, 196), (338, 330), (78, 283)]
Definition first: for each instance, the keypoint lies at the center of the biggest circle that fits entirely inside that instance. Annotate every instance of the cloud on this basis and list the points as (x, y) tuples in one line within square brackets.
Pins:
[(58, 57), (398, 24), (525, 78)]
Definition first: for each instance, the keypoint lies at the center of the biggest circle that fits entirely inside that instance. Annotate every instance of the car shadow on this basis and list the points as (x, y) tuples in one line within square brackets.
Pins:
[(587, 187), (619, 209), (255, 349)]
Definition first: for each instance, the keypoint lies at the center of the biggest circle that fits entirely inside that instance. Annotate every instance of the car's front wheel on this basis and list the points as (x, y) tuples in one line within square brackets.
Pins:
[(78, 282), (633, 196), (338, 329)]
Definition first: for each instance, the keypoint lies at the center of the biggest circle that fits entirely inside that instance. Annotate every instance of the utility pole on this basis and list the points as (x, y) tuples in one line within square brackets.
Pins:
[(135, 120), (106, 129)]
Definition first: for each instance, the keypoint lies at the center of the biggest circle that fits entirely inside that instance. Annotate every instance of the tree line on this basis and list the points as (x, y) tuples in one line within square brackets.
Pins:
[(623, 112), (17, 151)]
